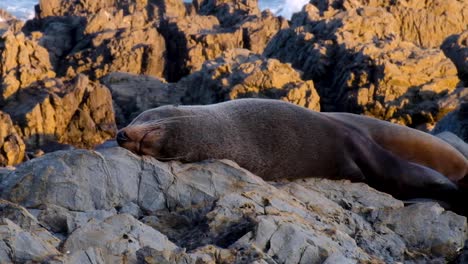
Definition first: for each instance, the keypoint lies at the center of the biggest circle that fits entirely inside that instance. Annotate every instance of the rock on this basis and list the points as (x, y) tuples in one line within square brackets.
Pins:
[(219, 211), (420, 233), (455, 122), (193, 39), (61, 220), (49, 8), (11, 144), (20, 246), (257, 31), (240, 73), (368, 67), (229, 12), (131, 209), (132, 94), (99, 38), (456, 48), (23, 61), (88, 256), (425, 24), (77, 112), (119, 237), (133, 50)]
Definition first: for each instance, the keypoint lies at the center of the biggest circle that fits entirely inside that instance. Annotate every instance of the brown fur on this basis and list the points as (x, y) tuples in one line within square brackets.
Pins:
[(275, 139)]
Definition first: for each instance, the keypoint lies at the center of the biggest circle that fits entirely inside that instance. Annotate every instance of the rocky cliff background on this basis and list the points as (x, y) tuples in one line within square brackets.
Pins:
[(80, 69)]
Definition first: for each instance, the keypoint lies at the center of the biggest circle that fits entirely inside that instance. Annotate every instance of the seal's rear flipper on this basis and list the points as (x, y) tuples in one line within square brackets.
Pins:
[(401, 178)]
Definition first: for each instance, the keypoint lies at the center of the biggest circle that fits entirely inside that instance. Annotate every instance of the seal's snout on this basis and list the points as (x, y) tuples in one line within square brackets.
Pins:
[(122, 137)]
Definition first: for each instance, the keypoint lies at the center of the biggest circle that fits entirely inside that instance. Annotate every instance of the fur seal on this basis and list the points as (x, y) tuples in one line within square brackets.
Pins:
[(276, 139)]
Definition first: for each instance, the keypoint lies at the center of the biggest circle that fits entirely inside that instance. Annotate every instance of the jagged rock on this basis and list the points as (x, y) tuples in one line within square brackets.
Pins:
[(425, 24), (77, 112), (132, 94), (219, 211), (398, 84), (417, 231), (240, 73), (102, 37), (23, 61), (193, 39), (456, 48), (26, 221), (229, 12), (88, 256), (119, 237), (455, 122), (20, 246), (133, 50), (257, 31), (11, 144), (368, 68), (48, 8), (61, 220)]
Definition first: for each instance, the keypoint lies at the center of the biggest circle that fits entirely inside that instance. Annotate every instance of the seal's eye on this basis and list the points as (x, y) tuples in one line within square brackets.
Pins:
[(122, 137)]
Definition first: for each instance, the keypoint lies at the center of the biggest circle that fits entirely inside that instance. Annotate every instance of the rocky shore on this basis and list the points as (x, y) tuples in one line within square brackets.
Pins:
[(78, 71)]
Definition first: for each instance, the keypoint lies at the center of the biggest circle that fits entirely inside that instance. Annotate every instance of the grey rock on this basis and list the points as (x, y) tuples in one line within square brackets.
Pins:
[(435, 231), (88, 256), (131, 209), (219, 211), (132, 94), (23, 246), (119, 236)]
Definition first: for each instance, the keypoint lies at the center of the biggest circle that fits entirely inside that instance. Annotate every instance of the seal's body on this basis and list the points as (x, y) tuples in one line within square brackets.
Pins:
[(275, 139)]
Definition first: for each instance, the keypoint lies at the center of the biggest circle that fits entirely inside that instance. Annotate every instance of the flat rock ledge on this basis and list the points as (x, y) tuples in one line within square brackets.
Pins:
[(111, 206)]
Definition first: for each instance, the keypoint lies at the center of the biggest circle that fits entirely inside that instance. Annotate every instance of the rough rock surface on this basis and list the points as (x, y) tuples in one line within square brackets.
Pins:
[(426, 24), (361, 63), (456, 48), (22, 61), (132, 94), (455, 122), (11, 144), (77, 112), (207, 211), (228, 12), (240, 73)]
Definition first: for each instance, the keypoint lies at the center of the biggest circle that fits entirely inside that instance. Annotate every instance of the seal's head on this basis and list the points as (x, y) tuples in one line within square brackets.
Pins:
[(144, 135)]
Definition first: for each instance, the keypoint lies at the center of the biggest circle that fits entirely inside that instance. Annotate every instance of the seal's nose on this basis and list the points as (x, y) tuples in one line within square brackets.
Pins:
[(121, 137)]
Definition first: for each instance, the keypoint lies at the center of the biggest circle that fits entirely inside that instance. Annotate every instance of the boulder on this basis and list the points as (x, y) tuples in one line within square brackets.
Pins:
[(240, 73), (133, 50), (193, 39), (102, 37), (229, 12), (456, 48), (23, 61), (12, 148), (219, 211), (20, 246), (455, 122), (425, 24), (77, 112), (118, 237), (360, 63), (132, 94)]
